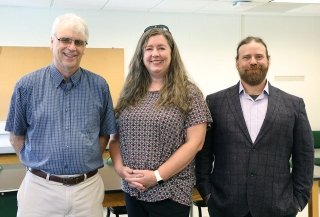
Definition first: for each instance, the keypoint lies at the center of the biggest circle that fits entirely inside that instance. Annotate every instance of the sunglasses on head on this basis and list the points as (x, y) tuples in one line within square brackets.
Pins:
[(163, 27)]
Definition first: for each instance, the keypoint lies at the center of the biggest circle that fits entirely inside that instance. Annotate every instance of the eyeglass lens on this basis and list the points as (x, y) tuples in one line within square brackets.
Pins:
[(77, 42)]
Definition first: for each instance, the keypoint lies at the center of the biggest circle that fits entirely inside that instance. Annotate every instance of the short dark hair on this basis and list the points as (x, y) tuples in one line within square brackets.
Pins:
[(249, 39)]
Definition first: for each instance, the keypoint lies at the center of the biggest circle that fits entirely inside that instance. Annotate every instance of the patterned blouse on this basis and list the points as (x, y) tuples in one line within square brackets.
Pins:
[(149, 135)]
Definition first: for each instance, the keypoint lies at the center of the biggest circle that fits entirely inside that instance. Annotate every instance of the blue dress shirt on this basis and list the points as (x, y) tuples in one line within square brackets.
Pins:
[(61, 121)]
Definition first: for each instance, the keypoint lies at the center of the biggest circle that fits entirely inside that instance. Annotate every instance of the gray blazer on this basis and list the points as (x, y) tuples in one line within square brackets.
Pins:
[(256, 177)]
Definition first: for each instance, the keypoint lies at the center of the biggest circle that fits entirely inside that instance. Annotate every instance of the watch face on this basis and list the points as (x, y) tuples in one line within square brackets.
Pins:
[(160, 182)]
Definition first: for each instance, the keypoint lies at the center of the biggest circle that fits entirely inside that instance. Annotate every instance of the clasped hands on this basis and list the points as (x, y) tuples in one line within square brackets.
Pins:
[(139, 179)]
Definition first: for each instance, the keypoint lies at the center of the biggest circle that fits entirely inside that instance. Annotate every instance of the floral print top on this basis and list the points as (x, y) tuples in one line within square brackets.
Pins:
[(150, 134)]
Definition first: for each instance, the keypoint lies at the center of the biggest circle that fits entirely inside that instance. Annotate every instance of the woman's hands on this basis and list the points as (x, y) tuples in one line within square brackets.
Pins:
[(141, 179)]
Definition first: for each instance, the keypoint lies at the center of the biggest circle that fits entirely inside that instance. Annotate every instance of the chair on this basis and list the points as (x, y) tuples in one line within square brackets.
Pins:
[(114, 202), (117, 210), (316, 137), (8, 202), (199, 204), (198, 201)]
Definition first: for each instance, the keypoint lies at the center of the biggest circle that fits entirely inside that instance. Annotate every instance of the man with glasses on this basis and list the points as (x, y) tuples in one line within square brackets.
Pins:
[(59, 121)]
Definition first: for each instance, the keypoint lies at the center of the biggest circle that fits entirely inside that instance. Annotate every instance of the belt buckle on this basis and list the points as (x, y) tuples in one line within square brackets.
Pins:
[(77, 179), (72, 180), (65, 181)]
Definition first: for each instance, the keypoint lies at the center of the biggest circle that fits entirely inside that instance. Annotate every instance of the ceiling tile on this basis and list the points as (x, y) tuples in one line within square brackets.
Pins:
[(175, 6), (186, 6), (79, 4), (275, 7), (24, 3), (227, 7), (140, 5), (310, 9)]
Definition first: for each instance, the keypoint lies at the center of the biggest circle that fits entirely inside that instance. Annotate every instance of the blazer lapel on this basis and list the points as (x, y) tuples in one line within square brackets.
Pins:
[(273, 104), (235, 106)]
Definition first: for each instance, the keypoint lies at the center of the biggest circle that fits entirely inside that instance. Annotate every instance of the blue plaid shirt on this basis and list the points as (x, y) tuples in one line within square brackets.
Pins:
[(61, 121)]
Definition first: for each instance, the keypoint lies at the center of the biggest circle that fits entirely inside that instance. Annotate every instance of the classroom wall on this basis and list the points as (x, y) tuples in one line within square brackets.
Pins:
[(207, 44)]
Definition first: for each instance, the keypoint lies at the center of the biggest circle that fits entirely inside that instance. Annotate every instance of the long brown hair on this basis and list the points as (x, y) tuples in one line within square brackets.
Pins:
[(175, 91)]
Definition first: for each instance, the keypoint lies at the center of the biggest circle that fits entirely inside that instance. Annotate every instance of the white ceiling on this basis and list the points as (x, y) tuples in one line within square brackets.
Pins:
[(175, 6)]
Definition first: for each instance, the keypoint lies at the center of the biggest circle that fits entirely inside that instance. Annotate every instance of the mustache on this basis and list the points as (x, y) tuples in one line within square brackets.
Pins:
[(255, 67)]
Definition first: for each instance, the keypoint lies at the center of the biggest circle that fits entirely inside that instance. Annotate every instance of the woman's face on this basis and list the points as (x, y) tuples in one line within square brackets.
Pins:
[(157, 56)]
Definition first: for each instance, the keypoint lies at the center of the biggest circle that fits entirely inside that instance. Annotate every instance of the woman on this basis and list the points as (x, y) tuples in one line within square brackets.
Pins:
[(162, 119)]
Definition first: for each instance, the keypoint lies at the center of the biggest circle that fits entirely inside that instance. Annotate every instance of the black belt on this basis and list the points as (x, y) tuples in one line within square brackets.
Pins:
[(66, 181)]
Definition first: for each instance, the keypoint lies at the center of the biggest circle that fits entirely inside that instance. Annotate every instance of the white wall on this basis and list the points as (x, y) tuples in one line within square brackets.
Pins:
[(207, 43)]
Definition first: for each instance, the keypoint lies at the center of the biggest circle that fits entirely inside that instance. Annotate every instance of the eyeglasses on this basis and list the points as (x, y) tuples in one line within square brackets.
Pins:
[(68, 41), (163, 27)]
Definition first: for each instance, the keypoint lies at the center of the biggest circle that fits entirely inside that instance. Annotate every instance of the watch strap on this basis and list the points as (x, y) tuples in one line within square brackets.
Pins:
[(158, 177)]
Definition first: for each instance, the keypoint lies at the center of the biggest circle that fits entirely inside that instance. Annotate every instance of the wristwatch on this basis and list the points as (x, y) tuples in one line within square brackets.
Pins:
[(158, 177)]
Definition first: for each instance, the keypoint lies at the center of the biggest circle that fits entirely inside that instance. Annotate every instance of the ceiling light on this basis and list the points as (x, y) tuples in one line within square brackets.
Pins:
[(238, 2), (298, 1)]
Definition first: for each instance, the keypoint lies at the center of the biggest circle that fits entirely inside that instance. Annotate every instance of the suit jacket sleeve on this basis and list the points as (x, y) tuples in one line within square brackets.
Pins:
[(302, 156), (203, 163)]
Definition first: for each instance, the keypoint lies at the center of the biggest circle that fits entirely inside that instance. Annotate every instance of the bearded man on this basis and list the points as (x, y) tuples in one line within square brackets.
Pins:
[(258, 132)]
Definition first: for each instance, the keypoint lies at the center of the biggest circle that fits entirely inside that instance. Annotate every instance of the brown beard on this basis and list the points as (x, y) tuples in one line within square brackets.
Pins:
[(255, 75)]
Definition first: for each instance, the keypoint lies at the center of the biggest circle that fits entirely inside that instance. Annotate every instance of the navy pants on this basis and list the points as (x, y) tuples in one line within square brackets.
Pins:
[(213, 212), (164, 208)]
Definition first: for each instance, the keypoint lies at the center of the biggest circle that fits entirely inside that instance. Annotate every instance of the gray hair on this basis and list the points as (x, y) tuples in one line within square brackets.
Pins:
[(72, 21)]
